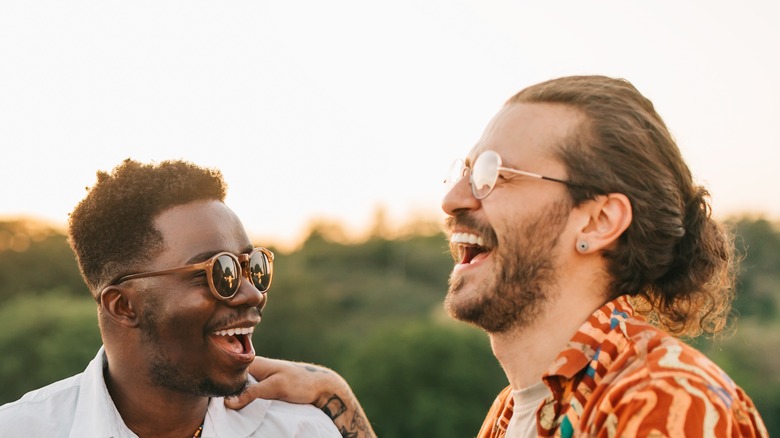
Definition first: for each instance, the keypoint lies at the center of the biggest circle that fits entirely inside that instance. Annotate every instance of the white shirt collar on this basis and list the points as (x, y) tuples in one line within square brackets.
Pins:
[(96, 414)]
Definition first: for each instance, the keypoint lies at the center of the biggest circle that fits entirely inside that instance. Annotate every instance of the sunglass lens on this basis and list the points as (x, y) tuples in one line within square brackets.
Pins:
[(259, 271), (484, 174), (226, 276)]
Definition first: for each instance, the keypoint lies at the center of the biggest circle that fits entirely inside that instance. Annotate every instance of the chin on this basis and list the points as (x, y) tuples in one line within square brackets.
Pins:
[(220, 379), (235, 390), (224, 387), (459, 305)]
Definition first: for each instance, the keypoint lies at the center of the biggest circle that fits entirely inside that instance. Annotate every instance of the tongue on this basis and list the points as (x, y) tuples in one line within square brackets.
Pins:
[(478, 257), (472, 254), (230, 344)]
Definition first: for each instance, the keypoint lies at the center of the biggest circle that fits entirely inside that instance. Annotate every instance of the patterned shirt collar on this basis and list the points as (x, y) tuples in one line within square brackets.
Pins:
[(584, 346), (581, 365)]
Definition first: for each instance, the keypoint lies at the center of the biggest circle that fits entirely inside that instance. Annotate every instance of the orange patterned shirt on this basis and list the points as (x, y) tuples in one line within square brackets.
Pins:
[(621, 377)]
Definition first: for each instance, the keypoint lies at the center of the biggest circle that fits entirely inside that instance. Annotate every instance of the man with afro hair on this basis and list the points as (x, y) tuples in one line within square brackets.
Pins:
[(179, 290)]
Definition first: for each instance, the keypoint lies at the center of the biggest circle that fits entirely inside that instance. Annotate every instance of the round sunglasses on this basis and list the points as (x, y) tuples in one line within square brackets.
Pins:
[(483, 174), (224, 271)]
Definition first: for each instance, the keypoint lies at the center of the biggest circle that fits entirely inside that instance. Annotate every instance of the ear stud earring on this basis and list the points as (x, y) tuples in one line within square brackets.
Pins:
[(582, 246)]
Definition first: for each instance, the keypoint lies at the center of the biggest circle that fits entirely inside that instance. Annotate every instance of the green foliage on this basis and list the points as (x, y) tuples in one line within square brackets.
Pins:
[(328, 295), (758, 243), (751, 357), (35, 258), (424, 379), (44, 338), (372, 311)]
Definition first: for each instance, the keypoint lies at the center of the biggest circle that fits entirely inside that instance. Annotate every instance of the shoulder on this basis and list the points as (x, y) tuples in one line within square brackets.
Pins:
[(656, 356), (299, 420), (664, 385), (263, 418), (47, 411)]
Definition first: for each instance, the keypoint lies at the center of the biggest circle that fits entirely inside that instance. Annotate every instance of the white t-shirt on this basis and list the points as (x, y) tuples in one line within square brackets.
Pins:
[(81, 407), (526, 402)]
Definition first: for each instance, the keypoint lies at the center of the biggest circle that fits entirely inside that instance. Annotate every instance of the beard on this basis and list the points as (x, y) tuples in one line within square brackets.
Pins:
[(524, 269), (164, 371)]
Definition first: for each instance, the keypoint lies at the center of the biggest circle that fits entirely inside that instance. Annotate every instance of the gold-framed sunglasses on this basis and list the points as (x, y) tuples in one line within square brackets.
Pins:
[(224, 271)]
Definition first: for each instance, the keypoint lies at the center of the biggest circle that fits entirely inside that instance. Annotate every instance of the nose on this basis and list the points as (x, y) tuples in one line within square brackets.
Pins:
[(248, 295), (460, 198)]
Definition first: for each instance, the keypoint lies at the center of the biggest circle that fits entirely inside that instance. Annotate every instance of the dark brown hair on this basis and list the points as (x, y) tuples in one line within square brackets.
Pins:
[(674, 258), (112, 228)]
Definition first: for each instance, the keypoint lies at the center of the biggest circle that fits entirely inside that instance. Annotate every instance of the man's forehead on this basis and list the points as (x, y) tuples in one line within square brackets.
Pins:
[(532, 128), (201, 229)]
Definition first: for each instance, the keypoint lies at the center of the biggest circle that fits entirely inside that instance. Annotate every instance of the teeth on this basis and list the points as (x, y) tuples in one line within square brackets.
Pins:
[(235, 331), (468, 238)]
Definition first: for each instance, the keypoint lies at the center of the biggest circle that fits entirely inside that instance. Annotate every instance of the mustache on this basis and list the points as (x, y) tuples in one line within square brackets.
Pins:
[(466, 220)]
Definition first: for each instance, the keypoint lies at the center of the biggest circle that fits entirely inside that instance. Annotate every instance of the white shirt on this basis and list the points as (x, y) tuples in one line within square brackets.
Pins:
[(526, 402), (81, 407)]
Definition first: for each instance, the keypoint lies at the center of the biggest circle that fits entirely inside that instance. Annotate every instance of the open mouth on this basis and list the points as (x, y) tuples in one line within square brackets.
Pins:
[(468, 248), (235, 341)]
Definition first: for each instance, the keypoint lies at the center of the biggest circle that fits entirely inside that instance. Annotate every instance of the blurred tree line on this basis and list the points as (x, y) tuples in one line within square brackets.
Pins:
[(372, 311)]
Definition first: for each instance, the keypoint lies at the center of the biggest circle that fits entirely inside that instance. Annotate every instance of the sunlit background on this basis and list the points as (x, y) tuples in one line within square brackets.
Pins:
[(346, 111), (331, 110)]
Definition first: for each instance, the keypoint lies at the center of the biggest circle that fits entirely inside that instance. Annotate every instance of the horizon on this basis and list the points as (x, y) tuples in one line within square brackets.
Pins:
[(337, 231)]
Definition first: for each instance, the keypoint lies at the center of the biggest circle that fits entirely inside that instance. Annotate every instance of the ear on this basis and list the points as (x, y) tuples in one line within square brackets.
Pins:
[(604, 220), (117, 304)]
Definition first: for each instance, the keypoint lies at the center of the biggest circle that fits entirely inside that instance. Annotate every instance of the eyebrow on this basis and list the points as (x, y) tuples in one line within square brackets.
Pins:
[(201, 257), (205, 255)]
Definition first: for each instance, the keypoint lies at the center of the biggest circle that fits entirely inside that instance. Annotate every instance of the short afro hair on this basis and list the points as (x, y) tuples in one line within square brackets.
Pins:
[(113, 226)]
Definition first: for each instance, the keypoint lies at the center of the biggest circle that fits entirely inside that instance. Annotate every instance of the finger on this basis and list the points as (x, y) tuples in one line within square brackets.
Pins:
[(235, 402), (267, 389), (262, 367)]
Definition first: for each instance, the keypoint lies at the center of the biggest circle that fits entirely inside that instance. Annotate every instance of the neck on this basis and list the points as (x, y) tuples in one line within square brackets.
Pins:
[(151, 411), (526, 353)]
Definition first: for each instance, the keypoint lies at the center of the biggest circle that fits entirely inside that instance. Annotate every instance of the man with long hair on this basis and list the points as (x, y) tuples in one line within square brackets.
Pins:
[(583, 248)]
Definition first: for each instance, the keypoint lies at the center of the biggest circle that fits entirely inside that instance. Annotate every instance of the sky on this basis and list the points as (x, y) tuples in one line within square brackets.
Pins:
[(329, 111)]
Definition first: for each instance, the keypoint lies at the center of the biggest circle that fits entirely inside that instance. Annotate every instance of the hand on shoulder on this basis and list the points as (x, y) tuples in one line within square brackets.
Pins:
[(303, 383)]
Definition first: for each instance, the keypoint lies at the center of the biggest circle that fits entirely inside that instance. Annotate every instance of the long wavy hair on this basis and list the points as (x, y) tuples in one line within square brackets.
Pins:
[(674, 260)]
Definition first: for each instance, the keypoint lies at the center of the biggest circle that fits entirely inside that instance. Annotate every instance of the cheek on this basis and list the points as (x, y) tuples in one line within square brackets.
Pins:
[(186, 318), (504, 222)]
